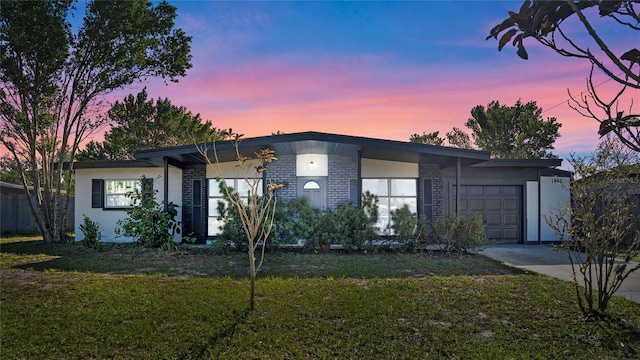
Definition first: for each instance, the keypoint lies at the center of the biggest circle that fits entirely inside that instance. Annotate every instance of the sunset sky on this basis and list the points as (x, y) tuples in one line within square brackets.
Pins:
[(383, 69)]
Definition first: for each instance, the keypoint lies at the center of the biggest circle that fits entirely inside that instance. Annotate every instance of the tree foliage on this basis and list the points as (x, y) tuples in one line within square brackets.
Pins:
[(553, 24), (54, 77), (517, 132), (432, 138), (141, 124), (458, 138), (544, 21), (9, 171)]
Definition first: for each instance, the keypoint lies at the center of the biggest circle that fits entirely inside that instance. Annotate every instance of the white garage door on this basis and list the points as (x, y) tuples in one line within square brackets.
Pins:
[(500, 207)]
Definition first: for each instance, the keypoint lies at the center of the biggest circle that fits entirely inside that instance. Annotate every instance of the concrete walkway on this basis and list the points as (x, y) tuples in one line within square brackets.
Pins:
[(552, 261)]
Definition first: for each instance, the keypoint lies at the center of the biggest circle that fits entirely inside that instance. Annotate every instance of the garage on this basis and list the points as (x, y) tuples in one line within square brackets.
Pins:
[(500, 207)]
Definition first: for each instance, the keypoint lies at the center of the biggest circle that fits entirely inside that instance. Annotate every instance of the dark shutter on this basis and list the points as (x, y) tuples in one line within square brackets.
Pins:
[(196, 209), (97, 193), (354, 194), (428, 199)]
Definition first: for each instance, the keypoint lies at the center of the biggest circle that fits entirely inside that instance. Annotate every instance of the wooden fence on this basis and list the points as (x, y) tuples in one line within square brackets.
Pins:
[(15, 214)]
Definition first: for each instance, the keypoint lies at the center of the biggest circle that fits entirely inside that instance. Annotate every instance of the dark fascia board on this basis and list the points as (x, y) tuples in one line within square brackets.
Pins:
[(535, 163), (102, 164), (267, 141)]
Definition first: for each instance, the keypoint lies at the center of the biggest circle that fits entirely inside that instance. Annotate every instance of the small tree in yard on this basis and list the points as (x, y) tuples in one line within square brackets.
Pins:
[(256, 212), (601, 224)]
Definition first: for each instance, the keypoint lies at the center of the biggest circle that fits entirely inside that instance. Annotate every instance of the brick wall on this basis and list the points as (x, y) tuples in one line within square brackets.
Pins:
[(341, 169), (190, 173), (433, 172), (283, 171)]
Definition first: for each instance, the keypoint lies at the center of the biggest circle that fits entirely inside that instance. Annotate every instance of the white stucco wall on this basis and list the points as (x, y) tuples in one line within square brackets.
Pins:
[(554, 196), (372, 168), (232, 170), (533, 213), (108, 218)]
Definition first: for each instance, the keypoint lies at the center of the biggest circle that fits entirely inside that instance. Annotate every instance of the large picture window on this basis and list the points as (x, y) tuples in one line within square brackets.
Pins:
[(241, 186), (392, 194), (116, 193)]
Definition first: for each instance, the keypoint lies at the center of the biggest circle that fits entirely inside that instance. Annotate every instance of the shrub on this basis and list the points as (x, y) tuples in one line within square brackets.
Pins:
[(457, 233), (92, 232), (350, 226), (423, 229), (146, 221), (403, 224), (307, 225), (370, 206)]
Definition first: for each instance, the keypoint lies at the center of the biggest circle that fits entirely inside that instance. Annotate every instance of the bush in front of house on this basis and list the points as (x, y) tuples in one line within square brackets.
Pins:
[(147, 221), (298, 222), (350, 226), (404, 225), (457, 233), (308, 225), (92, 232)]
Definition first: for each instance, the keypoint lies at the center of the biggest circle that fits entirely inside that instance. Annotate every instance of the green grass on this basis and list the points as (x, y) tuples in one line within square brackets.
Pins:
[(32, 253), (406, 306)]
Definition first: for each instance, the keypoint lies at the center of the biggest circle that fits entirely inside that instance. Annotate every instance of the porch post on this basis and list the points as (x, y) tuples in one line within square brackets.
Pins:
[(166, 182)]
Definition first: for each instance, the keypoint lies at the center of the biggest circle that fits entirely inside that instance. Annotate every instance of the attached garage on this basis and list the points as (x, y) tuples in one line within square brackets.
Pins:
[(500, 207), (513, 196)]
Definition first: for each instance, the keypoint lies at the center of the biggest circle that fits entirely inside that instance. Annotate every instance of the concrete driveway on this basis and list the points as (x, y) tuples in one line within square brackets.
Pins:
[(552, 261)]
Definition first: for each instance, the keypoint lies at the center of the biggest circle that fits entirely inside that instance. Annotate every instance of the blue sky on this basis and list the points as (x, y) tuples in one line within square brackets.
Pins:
[(384, 69)]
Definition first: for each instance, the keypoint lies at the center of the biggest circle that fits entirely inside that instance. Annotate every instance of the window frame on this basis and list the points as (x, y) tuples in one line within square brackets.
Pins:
[(214, 197), (384, 219), (137, 184)]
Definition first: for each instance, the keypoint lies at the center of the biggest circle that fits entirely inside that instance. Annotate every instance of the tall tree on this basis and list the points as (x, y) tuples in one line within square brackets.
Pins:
[(553, 24), (432, 138), (458, 138), (54, 77), (140, 124), (517, 131)]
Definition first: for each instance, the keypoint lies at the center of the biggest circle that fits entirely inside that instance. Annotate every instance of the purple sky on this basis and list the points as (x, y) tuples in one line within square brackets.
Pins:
[(384, 69)]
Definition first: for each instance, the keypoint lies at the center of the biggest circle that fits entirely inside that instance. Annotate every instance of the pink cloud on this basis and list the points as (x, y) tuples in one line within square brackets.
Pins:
[(364, 96)]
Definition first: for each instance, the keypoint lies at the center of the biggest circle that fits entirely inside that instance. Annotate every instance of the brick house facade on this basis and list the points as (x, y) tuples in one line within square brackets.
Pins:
[(331, 169)]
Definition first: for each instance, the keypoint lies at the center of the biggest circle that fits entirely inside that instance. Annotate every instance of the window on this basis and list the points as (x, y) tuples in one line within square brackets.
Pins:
[(116, 193), (311, 185), (392, 194), (240, 185)]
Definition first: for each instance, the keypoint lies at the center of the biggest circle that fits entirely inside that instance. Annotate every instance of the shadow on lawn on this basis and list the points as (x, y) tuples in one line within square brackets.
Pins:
[(207, 347), (198, 261)]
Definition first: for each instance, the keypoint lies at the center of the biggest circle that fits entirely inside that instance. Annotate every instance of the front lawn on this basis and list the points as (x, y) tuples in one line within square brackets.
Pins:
[(63, 301)]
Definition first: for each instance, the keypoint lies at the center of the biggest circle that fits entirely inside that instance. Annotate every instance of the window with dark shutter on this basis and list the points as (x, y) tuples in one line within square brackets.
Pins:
[(97, 195), (196, 208), (428, 199), (354, 192)]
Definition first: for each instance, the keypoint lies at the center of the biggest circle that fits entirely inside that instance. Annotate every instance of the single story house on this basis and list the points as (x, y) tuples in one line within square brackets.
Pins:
[(513, 196)]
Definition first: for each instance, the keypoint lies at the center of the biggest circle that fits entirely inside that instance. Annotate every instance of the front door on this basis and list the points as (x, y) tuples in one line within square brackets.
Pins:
[(314, 190)]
